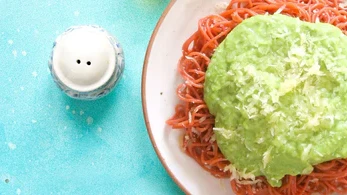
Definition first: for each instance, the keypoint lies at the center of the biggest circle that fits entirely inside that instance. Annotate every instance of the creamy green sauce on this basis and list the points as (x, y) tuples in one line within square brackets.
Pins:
[(277, 87)]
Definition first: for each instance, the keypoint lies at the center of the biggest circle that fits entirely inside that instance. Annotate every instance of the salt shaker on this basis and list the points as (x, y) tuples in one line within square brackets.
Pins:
[(86, 62)]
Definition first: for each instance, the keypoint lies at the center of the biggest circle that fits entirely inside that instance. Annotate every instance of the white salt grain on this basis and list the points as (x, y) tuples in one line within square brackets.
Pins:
[(34, 74), (99, 129), (76, 13), (14, 52), (90, 120), (12, 146)]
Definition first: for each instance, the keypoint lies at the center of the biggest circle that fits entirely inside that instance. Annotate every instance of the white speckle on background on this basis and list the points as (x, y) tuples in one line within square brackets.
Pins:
[(76, 13), (10, 42), (49, 106), (12, 146), (34, 74), (24, 53), (14, 122), (12, 110), (74, 112), (90, 120), (67, 107), (18, 30), (22, 88), (99, 129), (65, 127), (9, 79), (34, 121), (93, 163), (14, 52), (18, 191), (81, 112), (36, 31)]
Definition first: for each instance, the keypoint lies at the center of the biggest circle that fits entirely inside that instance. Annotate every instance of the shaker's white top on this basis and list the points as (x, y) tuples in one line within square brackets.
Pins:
[(84, 59)]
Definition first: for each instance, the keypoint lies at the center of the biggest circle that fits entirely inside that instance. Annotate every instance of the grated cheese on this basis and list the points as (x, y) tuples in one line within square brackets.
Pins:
[(241, 177)]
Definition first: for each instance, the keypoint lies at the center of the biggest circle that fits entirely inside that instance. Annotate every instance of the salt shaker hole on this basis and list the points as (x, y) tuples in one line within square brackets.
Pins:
[(89, 63), (78, 61)]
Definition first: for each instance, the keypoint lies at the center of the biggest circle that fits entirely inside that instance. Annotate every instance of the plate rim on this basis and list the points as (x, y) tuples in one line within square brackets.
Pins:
[(143, 96)]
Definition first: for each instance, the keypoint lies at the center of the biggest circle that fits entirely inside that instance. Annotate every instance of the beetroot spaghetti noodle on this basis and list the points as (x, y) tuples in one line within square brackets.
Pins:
[(192, 115)]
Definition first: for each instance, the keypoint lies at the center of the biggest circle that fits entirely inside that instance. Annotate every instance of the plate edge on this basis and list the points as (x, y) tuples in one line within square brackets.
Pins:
[(143, 95)]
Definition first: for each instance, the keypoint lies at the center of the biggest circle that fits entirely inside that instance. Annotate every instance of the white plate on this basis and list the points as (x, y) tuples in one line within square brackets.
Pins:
[(159, 82)]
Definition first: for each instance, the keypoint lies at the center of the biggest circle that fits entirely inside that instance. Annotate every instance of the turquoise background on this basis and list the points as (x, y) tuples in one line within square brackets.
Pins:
[(46, 143)]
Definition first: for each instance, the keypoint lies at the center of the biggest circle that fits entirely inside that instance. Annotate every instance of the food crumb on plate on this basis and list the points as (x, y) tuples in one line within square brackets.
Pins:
[(222, 184), (221, 6)]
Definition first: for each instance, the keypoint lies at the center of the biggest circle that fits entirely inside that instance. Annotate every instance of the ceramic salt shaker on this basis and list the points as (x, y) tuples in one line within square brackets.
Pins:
[(86, 62)]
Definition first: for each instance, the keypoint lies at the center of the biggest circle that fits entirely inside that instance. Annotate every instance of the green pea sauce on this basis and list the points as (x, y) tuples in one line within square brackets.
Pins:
[(278, 87)]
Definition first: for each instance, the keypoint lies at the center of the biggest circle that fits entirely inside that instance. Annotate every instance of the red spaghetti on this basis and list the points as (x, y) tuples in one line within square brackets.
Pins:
[(193, 115)]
